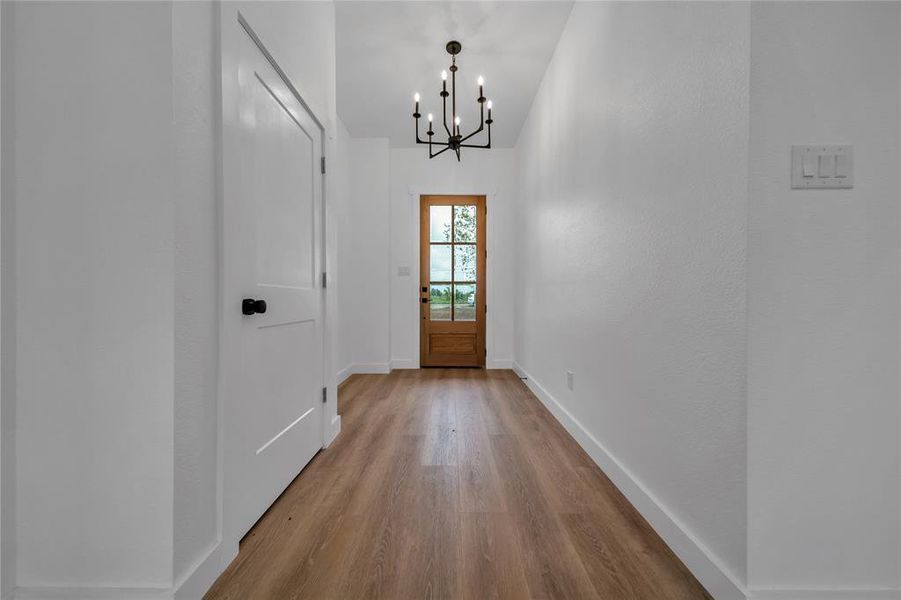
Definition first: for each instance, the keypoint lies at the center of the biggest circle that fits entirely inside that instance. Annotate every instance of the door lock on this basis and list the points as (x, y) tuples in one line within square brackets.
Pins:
[(249, 306)]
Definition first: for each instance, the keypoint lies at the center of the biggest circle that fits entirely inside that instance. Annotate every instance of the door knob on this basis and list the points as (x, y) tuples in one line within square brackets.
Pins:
[(249, 306)]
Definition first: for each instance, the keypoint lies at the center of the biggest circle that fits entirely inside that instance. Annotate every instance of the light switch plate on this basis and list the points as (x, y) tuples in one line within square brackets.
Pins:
[(403, 271), (822, 167)]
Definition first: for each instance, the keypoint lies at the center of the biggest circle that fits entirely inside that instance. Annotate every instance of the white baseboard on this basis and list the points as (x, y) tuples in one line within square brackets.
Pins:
[(362, 368), (343, 374), (825, 594), (499, 363), (333, 430), (518, 370), (404, 363), (708, 569), (198, 580), (89, 593), (372, 368)]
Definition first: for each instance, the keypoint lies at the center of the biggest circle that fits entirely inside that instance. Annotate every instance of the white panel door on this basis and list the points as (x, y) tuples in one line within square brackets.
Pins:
[(272, 223)]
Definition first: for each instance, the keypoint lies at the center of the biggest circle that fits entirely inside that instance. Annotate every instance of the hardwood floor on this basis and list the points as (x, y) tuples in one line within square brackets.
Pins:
[(452, 483)]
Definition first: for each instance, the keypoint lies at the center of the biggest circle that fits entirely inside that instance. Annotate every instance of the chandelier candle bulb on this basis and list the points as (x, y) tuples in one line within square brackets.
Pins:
[(416, 99), (481, 83)]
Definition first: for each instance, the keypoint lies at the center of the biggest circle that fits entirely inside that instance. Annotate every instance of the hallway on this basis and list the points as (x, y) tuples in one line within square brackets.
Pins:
[(452, 483)]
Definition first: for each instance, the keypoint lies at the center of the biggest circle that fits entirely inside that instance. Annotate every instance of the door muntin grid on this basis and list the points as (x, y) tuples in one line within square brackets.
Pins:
[(453, 262)]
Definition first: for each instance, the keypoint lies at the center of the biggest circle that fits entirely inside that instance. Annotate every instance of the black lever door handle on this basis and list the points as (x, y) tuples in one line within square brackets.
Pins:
[(249, 306)]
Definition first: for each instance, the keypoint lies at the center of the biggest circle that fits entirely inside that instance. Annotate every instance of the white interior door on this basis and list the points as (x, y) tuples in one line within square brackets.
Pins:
[(272, 227)]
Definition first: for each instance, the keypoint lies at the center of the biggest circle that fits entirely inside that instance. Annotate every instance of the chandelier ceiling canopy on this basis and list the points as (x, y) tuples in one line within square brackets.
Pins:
[(455, 140)]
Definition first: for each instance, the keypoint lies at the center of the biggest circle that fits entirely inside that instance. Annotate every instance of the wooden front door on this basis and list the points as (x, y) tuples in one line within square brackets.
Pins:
[(452, 281)]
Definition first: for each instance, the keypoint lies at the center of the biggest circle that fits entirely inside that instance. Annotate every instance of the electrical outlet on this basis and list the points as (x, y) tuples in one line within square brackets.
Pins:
[(569, 380)]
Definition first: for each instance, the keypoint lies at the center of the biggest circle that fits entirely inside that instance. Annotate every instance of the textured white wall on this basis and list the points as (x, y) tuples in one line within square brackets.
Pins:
[(823, 301), (343, 220), (481, 172), (95, 293), (365, 282), (630, 263), (195, 94), (7, 316)]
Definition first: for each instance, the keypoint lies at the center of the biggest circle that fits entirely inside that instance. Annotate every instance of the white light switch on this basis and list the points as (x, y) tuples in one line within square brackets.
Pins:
[(403, 271), (842, 165), (822, 167), (810, 164), (827, 165)]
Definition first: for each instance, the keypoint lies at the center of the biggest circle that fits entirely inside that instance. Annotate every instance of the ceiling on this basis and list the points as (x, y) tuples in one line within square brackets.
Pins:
[(386, 51)]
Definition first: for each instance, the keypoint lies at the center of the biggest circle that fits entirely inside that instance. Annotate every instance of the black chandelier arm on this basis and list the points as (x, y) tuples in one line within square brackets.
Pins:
[(453, 71), (444, 112), (429, 141), (418, 141), (488, 145), (445, 149), (481, 128)]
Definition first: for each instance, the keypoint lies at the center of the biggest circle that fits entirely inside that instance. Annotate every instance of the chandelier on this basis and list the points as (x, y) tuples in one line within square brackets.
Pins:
[(455, 140)]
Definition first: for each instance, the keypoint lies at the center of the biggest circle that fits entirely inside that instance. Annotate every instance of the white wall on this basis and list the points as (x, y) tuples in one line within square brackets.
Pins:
[(196, 123), (823, 298), (631, 224), (95, 293), (380, 233), (364, 247), (7, 315), (342, 214), (488, 172)]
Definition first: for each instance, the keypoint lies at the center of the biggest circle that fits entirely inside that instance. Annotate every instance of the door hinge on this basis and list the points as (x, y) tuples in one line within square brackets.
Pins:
[(324, 395), (324, 279), (323, 164)]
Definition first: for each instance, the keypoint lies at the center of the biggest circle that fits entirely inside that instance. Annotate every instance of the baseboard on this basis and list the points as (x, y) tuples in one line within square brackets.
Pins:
[(518, 370), (362, 368), (343, 374), (404, 363), (372, 368), (499, 363), (198, 580), (708, 569), (89, 593), (825, 594), (333, 430)]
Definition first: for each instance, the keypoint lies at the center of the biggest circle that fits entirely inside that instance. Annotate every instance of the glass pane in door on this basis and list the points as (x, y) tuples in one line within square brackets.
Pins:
[(465, 302), (465, 263), (464, 223), (440, 302), (439, 223), (439, 263)]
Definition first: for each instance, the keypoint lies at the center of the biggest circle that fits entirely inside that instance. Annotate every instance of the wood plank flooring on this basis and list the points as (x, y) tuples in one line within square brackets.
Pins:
[(452, 483)]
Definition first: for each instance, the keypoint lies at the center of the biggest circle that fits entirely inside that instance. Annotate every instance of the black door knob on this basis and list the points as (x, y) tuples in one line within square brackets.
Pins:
[(249, 306)]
